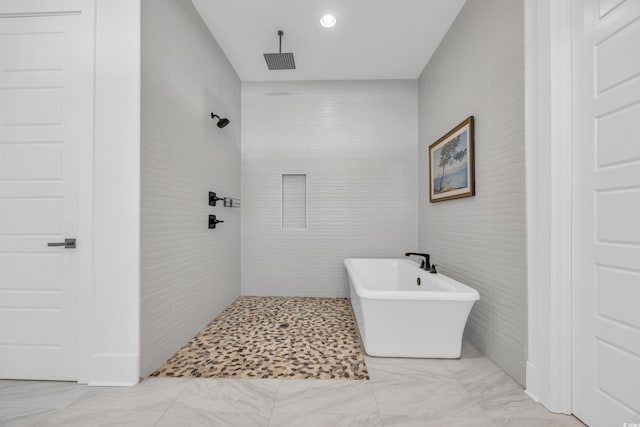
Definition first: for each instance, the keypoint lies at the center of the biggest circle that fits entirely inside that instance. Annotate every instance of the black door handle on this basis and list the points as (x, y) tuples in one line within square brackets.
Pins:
[(68, 244)]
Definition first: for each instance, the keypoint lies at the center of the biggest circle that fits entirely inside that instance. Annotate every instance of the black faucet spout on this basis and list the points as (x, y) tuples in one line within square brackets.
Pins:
[(425, 265)]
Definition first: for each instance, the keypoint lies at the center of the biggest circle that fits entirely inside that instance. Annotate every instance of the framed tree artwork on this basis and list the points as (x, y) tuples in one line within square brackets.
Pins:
[(451, 173)]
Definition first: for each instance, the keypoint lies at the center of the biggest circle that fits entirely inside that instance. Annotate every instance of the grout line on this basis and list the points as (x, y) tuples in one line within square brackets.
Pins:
[(187, 384), (77, 398), (275, 402), (375, 399)]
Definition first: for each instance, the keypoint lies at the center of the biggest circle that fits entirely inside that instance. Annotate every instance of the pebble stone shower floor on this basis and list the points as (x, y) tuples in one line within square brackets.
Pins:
[(274, 337)]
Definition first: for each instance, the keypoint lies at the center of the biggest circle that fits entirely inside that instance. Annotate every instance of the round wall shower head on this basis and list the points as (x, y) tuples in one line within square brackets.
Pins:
[(222, 122)]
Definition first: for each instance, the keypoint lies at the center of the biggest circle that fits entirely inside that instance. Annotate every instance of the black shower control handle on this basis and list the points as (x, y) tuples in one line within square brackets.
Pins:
[(213, 198), (213, 221)]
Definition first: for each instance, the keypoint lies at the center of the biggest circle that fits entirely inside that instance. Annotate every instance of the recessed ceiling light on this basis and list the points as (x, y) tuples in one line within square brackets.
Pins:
[(328, 21)]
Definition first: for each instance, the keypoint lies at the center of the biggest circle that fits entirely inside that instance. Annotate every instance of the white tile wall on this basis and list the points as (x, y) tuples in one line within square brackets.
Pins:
[(478, 70), (189, 273), (294, 201), (357, 143)]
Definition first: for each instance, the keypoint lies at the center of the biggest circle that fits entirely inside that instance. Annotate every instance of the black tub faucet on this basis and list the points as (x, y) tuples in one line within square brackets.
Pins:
[(424, 264)]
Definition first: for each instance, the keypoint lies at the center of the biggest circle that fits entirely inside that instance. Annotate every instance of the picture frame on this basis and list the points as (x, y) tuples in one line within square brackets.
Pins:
[(451, 164)]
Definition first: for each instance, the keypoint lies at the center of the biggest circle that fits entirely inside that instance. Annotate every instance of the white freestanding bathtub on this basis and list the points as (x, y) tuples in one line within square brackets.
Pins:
[(397, 317)]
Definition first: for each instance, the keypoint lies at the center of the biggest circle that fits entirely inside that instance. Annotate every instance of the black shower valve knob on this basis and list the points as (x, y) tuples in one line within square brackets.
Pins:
[(213, 221), (213, 198)]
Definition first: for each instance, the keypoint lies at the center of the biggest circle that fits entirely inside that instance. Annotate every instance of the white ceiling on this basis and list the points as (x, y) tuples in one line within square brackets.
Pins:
[(373, 39)]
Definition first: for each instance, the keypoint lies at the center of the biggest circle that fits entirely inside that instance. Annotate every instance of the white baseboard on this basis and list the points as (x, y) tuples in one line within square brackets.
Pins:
[(533, 381), (110, 370)]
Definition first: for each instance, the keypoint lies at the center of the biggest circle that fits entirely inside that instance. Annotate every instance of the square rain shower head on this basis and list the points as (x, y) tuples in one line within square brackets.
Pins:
[(280, 61)]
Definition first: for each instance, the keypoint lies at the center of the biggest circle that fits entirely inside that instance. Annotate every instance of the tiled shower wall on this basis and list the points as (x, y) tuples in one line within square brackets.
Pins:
[(478, 70), (189, 273), (357, 143)]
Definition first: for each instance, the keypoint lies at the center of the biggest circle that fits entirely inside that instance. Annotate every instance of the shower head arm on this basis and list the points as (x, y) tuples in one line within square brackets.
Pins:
[(280, 33), (222, 122)]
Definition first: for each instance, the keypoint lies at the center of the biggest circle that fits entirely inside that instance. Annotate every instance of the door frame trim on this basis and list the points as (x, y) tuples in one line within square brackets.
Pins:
[(86, 304), (548, 151)]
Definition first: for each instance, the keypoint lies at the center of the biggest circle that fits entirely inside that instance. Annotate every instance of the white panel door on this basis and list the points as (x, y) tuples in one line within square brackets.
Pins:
[(606, 213), (46, 87)]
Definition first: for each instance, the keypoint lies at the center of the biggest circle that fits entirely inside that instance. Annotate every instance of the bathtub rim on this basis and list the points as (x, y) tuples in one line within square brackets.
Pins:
[(462, 293)]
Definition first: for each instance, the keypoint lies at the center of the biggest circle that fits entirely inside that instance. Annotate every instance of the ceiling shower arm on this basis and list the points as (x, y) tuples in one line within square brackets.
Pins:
[(280, 33)]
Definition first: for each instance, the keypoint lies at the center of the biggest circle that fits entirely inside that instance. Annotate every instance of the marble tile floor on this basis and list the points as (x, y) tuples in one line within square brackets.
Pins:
[(471, 391)]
